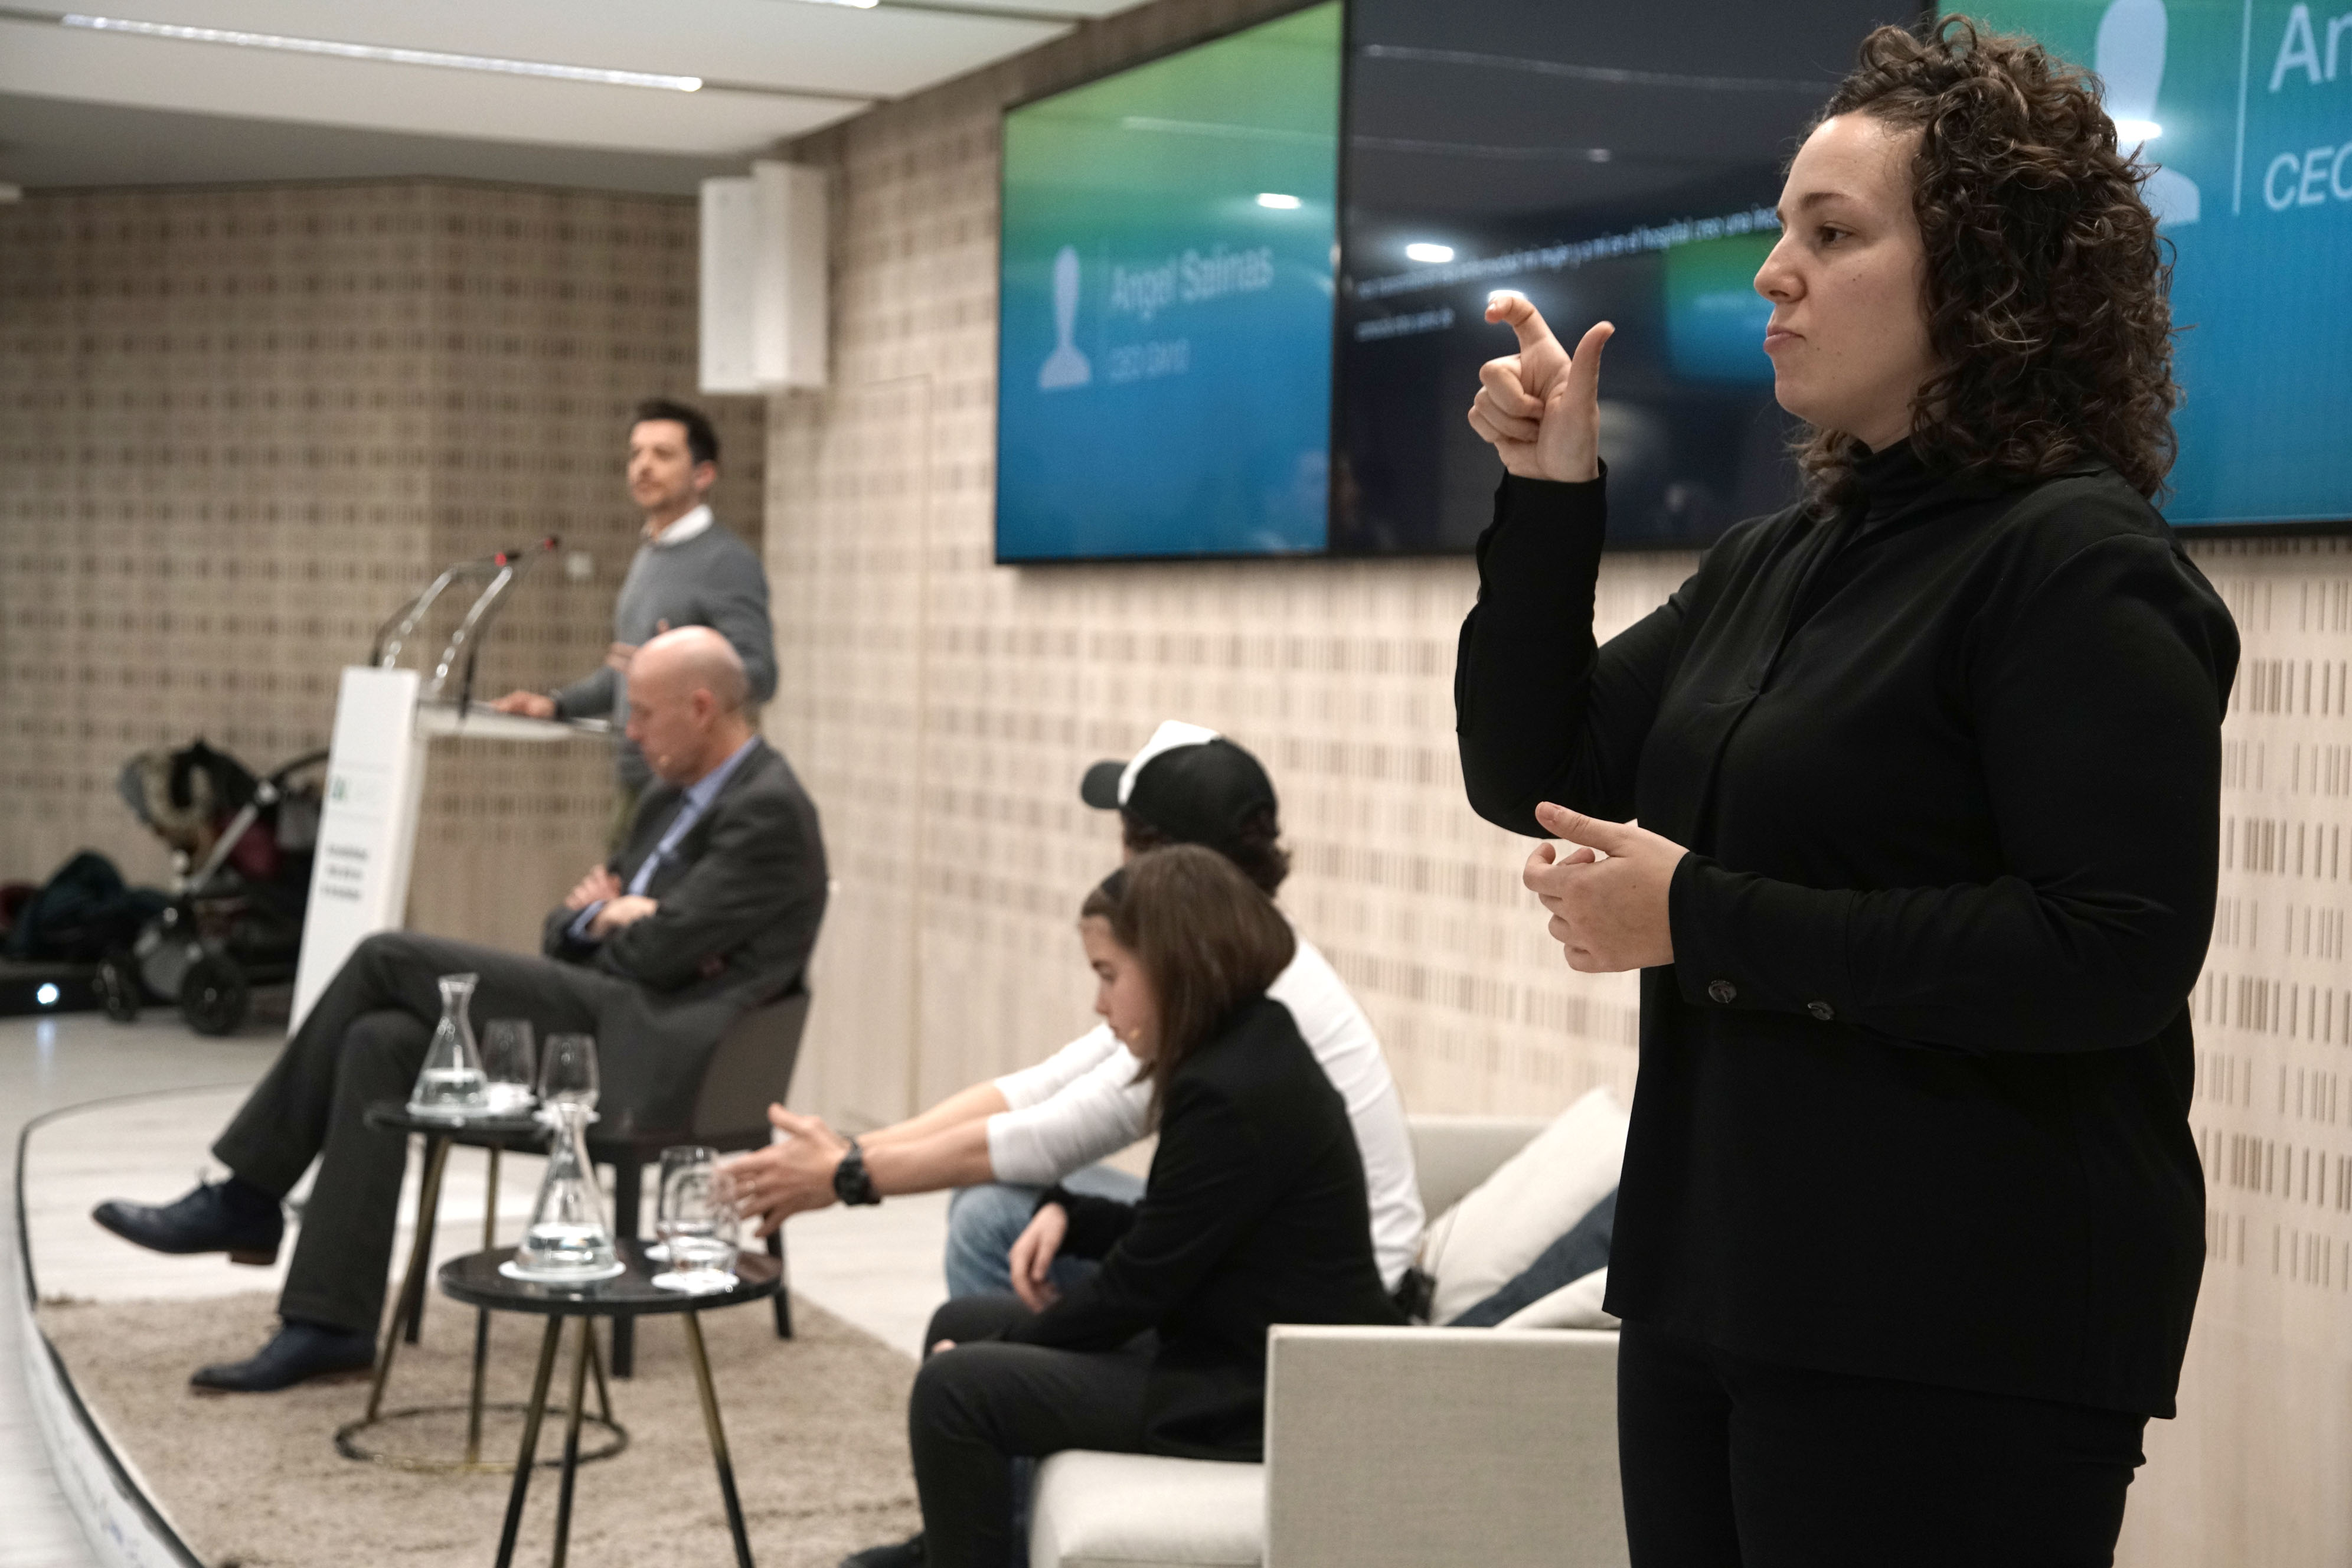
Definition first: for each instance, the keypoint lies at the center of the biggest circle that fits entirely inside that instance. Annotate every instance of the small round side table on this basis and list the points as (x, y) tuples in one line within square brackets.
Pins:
[(476, 1281), (520, 1132)]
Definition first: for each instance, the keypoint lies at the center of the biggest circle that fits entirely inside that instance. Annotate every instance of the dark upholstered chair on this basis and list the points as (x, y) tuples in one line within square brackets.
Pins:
[(752, 1067)]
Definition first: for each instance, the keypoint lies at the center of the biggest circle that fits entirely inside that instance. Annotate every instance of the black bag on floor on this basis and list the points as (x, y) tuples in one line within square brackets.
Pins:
[(82, 913)]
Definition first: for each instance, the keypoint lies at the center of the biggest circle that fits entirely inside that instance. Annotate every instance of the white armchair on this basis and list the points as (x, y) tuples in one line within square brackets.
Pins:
[(1417, 1447)]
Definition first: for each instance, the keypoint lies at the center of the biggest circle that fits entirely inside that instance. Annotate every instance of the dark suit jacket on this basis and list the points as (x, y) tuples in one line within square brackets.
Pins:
[(1915, 1090), (1255, 1215), (740, 902)]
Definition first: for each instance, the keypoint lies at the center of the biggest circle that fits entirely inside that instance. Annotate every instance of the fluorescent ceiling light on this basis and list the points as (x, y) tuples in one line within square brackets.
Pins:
[(1422, 251), (388, 54), (1277, 200), (2132, 133)]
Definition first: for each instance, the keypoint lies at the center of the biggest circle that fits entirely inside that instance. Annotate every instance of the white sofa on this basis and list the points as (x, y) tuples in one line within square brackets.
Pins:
[(1417, 1447)]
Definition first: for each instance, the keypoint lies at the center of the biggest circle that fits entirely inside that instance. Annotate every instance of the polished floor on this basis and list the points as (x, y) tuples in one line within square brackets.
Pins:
[(153, 1095)]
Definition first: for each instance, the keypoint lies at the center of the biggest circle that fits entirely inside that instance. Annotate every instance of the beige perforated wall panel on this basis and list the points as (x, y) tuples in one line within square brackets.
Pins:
[(941, 709), (2259, 1468), (242, 425)]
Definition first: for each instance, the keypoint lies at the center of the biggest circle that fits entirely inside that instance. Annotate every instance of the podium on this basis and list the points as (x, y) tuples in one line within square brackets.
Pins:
[(386, 719)]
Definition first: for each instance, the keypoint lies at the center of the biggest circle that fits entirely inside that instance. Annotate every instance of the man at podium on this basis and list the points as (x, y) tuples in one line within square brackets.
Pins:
[(711, 908), (689, 571)]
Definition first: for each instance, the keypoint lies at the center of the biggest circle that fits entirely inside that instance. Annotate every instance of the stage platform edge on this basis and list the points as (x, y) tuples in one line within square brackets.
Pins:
[(121, 1524)]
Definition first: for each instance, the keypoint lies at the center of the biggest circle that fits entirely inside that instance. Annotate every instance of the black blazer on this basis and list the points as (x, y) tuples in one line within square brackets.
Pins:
[(1255, 1215), (1914, 1094), (741, 898)]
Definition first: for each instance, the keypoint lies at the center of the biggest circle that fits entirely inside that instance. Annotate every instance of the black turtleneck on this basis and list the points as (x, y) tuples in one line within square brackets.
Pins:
[(1914, 1094)]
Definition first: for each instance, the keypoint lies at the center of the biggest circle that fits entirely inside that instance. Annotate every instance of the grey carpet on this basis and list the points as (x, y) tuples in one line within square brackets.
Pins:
[(816, 1425)]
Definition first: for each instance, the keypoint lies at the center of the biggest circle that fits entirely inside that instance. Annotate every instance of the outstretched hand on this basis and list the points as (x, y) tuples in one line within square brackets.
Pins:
[(1540, 408), (1608, 908), (793, 1175)]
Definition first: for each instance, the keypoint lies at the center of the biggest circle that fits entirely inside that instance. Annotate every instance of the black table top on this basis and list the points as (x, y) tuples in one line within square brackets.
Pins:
[(521, 1131), (475, 1280)]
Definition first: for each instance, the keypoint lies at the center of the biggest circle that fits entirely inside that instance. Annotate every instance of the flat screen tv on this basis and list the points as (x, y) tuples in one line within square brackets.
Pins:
[(1187, 370), (1164, 351), (1615, 162)]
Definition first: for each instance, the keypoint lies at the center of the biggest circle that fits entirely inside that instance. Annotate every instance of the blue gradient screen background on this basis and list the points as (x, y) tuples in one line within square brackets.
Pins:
[(1164, 355), (2254, 111)]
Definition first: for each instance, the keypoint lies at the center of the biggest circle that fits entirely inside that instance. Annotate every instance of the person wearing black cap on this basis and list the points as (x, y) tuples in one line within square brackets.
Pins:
[(1005, 1141)]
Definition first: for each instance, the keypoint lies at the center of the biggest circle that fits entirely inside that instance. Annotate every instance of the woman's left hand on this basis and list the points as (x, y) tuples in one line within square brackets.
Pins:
[(1609, 909), (1033, 1256)]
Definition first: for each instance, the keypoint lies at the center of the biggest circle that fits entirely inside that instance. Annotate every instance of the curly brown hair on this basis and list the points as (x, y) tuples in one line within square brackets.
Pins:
[(2047, 296)]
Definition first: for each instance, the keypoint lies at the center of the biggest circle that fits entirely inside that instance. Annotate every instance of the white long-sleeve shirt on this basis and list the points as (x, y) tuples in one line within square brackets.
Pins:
[(1083, 1103)]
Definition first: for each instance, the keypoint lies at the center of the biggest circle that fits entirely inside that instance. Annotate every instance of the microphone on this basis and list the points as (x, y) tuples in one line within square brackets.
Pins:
[(508, 557)]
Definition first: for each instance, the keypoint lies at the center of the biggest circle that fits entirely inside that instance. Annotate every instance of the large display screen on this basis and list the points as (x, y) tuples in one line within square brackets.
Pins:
[(2245, 106), (1607, 162), (1164, 366)]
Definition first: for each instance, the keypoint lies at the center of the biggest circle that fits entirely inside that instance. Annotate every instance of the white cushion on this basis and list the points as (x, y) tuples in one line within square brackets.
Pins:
[(1575, 1305), (1140, 1510), (1484, 1242)]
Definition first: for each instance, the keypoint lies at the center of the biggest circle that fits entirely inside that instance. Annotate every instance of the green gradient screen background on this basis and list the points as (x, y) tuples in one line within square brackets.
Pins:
[(2255, 194), (1164, 356)]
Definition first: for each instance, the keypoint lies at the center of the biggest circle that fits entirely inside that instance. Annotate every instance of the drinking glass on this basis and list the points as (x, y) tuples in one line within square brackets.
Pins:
[(510, 1062), (696, 1221), (567, 1071)]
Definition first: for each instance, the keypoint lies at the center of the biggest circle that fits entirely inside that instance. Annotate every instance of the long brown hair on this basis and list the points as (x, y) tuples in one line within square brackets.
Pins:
[(1207, 939), (2047, 286)]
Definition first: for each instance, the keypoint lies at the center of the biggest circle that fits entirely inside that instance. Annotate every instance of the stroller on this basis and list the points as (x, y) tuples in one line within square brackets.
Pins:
[(241, 853)]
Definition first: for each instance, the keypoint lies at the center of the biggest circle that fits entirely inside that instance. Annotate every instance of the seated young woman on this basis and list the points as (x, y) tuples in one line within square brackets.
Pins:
[(1255, 1214)]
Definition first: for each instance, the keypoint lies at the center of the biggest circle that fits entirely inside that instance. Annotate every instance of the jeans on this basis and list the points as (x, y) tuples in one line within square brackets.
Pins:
[(984, 1221), (1728, 1462)]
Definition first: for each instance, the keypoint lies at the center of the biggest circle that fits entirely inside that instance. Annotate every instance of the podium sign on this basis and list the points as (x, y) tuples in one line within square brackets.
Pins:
[(367, 832)]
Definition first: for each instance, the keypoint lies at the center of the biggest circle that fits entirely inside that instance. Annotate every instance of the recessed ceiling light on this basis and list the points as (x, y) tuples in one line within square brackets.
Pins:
[(387, 54), (1277, 200), (2132, 133), (1420, 251)]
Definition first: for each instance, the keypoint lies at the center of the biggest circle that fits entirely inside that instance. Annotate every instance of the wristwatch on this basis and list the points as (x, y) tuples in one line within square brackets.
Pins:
[(851, 1183)]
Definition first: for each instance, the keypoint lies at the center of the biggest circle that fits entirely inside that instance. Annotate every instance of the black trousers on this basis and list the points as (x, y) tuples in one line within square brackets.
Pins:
[(1734, 1463), (978, 1406), (364, 1040)]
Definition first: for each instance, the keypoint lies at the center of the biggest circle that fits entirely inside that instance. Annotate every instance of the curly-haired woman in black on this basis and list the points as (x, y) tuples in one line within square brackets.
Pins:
[(1926, 775)]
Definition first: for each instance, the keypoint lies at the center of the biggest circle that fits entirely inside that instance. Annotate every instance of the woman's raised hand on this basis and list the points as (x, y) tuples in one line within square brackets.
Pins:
[(1539, 408)]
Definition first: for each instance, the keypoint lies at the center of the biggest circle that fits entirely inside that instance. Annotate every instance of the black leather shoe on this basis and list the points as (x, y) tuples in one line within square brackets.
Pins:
[(207, 1220), (296, 1353), (906, 1554)]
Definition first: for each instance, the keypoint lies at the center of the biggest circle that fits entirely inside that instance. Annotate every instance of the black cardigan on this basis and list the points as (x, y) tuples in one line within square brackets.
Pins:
[(1255, 1215), (1914, 1094)]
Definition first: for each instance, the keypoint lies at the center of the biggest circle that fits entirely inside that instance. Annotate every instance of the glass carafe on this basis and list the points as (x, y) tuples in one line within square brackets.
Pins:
[(451, 1084), (568, 1237)]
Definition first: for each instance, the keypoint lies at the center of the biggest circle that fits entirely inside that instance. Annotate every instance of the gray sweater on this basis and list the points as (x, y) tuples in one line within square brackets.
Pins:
[(711, 580)]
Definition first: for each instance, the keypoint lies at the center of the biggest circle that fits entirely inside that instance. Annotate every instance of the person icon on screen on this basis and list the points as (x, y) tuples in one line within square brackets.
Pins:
[(1066, 366), (2130, 59)]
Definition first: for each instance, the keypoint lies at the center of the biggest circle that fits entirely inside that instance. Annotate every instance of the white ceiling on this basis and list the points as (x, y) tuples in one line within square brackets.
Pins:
[(87, 107)]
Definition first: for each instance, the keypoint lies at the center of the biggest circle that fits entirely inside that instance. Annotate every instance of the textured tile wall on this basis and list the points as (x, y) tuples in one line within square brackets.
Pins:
[(943, 707), (242, 425)]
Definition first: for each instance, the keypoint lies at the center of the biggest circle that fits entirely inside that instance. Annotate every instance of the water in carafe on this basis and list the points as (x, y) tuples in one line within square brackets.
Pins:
[(568, 1233), (452, 1083)]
